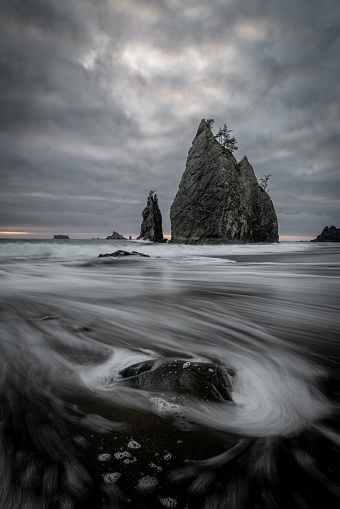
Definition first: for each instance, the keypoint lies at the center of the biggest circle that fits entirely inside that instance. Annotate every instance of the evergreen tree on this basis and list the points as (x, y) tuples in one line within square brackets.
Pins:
[(224, 138)]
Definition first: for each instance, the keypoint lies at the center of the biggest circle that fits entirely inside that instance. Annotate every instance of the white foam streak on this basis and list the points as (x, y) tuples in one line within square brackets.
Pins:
[(73, 250), (259, 321), (270, 398)]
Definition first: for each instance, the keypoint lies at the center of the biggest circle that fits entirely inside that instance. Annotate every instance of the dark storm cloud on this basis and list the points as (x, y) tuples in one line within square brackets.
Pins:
[(100, 102)]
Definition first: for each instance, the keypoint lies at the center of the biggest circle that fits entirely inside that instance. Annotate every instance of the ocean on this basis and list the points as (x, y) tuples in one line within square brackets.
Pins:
[(71, 438)]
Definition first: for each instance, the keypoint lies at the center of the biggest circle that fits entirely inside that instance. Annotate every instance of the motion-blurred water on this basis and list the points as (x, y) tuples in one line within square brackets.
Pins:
[(70, 321)]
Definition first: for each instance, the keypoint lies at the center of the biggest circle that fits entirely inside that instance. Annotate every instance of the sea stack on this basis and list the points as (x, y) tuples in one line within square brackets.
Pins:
[(115, 236), (328, 234), (151, 227), (219, 200)]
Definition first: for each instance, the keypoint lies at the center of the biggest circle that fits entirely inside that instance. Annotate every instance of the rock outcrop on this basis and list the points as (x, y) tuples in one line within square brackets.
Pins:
[(328, 234), (116, 236), (151, 228), (61, 237), (121, 252), (220, 200), (196, 379)]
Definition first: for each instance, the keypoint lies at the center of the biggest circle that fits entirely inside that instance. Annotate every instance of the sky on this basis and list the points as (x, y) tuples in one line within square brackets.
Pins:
[(100, 102)]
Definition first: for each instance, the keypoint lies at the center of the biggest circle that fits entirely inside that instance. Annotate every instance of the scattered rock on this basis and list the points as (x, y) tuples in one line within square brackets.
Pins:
[(104, 457), (199, 379), (111, 477), (151, 228), (133, 444), (220, 200), (328, 234), (120, 253), (116, 236), (147, 483), (61, 237), (168, 502)]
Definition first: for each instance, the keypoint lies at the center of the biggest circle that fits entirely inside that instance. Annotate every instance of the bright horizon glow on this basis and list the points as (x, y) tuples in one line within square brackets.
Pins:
[(102, 236), (14, 233), (295, 238)]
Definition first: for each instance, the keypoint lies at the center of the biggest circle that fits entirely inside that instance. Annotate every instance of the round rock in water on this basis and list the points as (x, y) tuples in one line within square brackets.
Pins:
[(199, 379)]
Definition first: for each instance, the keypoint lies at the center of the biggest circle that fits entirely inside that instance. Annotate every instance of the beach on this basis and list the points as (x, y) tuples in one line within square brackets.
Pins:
[(70, 321)]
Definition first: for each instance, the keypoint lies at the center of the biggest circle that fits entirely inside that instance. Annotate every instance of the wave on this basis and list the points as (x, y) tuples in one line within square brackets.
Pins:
[(68, 435), (86, 250)]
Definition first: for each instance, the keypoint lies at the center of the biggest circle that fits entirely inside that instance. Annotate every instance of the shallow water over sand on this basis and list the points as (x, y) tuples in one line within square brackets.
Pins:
[(70, 322)]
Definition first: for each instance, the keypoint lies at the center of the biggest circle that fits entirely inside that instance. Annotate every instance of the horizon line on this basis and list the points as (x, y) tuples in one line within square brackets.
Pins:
[(86, 236)]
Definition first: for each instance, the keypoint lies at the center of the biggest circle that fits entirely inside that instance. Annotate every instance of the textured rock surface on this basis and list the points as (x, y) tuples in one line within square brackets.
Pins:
[(328, 234), (151, 228), (200, 379), (220, 200), (115, 236), (121, 252), (262, 216)]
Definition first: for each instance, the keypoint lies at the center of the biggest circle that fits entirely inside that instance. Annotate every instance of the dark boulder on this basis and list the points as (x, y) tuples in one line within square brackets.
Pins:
[(61, 237), (220, 200), (328, 234), (199, 379), (120, 253), (151, 227)]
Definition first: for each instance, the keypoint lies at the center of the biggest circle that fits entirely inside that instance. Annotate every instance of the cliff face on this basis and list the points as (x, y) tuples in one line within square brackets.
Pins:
[(262, 216), (151, 227), (219, 200)]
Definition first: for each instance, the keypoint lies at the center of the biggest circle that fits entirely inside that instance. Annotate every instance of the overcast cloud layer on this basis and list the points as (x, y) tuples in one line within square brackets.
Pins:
[(100, 101)]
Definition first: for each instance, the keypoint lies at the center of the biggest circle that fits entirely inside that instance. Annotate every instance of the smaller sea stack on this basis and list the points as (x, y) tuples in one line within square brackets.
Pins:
[(151, 227)]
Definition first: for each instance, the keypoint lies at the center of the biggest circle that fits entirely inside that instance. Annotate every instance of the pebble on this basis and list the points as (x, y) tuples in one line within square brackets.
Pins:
[(121, 455), (104, 457), (147, 483), (134, 445), (111, 477), (168, 502)]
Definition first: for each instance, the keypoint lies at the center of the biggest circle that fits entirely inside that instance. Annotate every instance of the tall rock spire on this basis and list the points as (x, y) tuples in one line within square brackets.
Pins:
[(219, 200), (151, 227)]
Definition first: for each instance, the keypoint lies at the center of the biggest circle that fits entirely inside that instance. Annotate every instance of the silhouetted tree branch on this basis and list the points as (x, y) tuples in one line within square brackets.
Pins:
[(263, 182)]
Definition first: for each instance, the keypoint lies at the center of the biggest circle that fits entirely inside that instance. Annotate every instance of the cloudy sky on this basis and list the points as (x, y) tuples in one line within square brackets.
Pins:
[(101, 99)]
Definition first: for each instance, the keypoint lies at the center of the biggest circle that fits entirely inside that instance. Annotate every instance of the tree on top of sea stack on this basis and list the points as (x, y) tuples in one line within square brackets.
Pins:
[(151, 227), (220, 200), (224, 138)]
